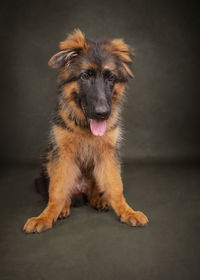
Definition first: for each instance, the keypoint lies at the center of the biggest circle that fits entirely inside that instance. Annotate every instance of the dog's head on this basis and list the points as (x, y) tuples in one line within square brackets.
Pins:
[(94, 74)]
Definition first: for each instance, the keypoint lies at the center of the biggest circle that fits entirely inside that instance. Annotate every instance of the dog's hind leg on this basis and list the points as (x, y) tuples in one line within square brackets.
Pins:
[(97, 200), (82, 191), (66, 210)]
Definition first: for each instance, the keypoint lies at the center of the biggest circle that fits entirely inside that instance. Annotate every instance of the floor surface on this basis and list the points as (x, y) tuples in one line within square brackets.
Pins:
[(92, 245)]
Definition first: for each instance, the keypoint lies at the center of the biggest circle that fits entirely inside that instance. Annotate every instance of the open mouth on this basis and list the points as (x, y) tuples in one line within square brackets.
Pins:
[(97, 127)]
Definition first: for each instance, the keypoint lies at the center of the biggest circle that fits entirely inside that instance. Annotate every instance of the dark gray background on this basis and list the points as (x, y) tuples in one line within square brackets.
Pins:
[(161, 114), (161, 125)]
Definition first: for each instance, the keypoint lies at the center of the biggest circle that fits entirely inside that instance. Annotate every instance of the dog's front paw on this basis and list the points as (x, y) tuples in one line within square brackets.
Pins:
[(37, 225), (135, 218)]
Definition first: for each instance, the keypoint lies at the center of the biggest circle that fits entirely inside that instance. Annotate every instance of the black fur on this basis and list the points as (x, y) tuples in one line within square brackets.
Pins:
[(61, 123), (42, 184)]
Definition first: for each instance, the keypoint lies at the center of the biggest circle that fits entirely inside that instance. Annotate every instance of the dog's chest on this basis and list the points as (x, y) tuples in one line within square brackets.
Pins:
[(85, 159)]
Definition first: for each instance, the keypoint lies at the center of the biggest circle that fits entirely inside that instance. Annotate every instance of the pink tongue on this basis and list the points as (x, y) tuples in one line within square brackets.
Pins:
[(98, 127)]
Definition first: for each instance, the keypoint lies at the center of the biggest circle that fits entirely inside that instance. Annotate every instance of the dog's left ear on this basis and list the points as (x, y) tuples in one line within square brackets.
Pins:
[(124, 52), (73, 45)]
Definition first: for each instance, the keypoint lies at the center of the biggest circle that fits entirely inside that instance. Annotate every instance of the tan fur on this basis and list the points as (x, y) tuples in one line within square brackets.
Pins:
[(57, 55), (128, 70), (76, 40), (98, 202), (118, 47)]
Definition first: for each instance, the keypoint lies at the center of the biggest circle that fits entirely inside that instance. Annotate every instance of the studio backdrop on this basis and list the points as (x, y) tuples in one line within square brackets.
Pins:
[(161, 110)]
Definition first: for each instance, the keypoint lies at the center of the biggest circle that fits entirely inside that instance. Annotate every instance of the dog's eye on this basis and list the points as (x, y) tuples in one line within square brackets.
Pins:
[(85, 76), (109, 76)]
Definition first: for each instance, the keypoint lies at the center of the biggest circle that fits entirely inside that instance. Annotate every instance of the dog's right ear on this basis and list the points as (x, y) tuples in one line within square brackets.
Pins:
[(59, 59), (73, 45)]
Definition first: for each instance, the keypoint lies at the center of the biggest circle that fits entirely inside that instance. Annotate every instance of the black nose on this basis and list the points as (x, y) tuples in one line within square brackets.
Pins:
[(102, 112)]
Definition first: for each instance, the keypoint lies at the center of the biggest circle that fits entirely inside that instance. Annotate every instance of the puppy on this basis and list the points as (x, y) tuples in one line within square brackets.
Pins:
[(81, 162)]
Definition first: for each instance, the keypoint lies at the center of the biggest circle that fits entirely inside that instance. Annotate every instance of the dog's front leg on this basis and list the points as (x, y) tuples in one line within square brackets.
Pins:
[(107, 175), (63, 173)]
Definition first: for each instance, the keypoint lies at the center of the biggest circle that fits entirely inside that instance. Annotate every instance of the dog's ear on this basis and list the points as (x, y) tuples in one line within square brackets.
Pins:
[(75, 41), (73, 45), (124, 52), (59, 59)]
